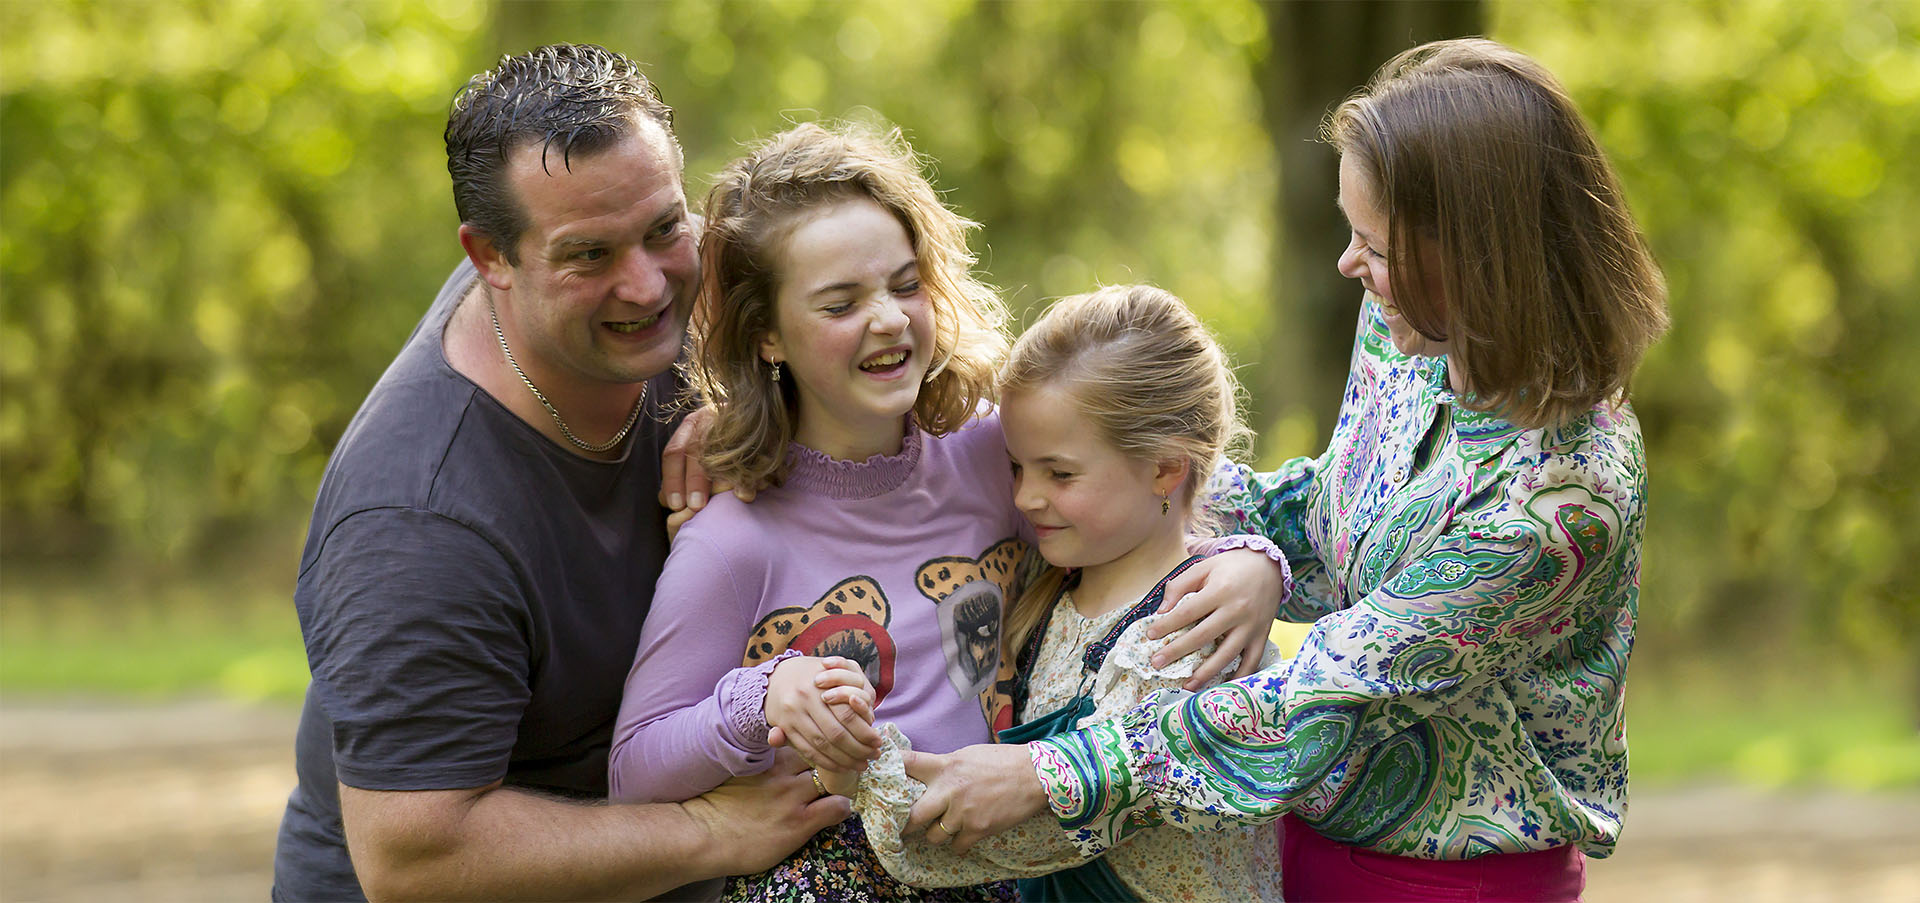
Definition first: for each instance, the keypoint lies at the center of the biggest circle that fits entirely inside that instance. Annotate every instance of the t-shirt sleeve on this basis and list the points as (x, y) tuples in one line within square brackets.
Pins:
[(417, 636)]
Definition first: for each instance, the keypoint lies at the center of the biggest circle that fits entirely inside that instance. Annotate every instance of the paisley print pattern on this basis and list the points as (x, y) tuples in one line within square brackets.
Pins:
[(1472, 587)]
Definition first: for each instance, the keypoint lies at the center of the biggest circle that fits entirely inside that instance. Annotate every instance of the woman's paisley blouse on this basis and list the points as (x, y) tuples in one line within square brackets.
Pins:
[(1472, 587)]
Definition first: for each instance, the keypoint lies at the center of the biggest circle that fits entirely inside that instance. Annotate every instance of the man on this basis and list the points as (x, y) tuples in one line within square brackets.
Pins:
[(485, 542)]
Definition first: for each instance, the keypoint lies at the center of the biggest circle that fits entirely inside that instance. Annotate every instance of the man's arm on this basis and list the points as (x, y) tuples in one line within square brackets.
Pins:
[(506, 844), (422, 665)]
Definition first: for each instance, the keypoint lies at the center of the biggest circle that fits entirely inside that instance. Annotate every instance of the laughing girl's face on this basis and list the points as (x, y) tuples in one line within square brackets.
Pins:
[(853, 323)]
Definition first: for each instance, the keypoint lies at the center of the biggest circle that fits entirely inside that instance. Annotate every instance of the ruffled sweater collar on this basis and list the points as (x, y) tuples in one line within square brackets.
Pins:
[(815, 473)]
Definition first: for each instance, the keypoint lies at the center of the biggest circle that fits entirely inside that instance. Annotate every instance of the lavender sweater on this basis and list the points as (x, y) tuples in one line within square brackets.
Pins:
[(903, 563)]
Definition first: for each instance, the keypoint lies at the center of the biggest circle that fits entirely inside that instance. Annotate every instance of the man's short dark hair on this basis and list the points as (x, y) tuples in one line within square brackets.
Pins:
[(567, 98)]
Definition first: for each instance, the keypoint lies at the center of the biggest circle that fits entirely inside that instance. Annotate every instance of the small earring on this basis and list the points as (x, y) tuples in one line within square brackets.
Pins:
[(1165, 506), (776, 372)]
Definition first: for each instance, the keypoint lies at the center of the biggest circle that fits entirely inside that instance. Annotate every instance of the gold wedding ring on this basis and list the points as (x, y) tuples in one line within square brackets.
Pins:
[(816, 782), (942, 824)]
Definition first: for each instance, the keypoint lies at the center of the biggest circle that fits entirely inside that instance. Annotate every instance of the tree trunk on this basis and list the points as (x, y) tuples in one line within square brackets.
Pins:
[(1319, 53)]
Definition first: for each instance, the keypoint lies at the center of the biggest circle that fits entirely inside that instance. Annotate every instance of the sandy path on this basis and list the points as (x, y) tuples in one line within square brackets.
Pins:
[(179, 801)]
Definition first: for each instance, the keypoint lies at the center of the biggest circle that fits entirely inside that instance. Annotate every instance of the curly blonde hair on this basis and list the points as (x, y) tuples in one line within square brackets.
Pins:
[(755, 202)]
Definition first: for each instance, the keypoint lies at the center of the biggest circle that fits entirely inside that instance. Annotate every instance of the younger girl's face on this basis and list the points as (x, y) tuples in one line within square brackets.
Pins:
[(1089, 504), (1365, 258), (854, 326)]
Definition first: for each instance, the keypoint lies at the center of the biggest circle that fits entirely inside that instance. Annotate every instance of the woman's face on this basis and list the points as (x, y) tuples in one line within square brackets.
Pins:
[(854, 326), (1365, 258)]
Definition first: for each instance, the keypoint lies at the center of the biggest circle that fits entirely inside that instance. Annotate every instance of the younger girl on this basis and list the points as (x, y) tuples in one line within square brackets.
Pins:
[(847, 350), (1115, 405)]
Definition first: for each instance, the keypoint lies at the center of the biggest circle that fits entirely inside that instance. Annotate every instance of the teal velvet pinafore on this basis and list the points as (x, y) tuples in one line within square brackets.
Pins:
[(1095, 880)]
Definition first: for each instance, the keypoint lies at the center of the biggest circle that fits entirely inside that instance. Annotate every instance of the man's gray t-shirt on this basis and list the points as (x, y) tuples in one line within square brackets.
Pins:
[(471, 596)]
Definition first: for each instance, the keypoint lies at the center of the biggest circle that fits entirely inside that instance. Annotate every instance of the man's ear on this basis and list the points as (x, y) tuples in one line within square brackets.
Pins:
[(486, 257)]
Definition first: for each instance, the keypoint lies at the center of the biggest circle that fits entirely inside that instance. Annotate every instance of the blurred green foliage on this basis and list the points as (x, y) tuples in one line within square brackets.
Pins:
[(222, 219), (1772, 152)]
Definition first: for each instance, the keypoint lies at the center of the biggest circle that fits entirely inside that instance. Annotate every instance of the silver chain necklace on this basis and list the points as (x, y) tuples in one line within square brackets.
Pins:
[(564, 430)]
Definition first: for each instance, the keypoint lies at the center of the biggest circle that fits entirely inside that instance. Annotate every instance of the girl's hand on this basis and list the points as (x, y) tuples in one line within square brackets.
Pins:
[(823, 708), (838, 783), (844, 688), (973, 793), (1231, 597)]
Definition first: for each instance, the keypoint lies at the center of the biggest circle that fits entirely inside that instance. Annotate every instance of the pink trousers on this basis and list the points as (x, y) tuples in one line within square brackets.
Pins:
[(1314, 869)]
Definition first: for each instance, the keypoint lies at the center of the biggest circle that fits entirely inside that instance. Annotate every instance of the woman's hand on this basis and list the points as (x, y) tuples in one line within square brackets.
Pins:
[(1231, 597), (823, 708), (974, 792)]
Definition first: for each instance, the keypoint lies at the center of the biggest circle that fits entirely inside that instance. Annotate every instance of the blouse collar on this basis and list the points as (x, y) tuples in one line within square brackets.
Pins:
[(1483, 434)]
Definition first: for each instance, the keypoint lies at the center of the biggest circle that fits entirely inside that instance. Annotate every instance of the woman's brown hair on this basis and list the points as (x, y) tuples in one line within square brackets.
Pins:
[(752, 208), (1152, 381), (1548, 293)]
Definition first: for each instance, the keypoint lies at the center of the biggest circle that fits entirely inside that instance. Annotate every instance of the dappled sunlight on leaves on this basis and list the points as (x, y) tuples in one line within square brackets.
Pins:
[(223, 218)]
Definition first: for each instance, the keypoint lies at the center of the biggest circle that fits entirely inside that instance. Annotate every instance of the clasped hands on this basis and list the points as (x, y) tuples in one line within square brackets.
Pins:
[(823, 709)]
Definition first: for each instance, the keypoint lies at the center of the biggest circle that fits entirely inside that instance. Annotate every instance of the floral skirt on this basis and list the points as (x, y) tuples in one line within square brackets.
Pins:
[(837, 866)]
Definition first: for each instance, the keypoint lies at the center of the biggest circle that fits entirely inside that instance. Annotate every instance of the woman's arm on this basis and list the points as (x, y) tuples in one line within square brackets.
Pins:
[(1530, 569), (1237, 608), (1500, 589), (1274, 505), (1036, 845)]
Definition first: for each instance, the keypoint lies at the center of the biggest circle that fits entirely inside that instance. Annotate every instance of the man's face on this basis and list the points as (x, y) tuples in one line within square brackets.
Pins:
[(608, 264)]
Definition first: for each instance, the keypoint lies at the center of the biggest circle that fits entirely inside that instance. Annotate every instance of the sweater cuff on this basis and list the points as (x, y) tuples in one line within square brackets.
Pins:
[(1255, 542), (743, 700), (1259, 544)]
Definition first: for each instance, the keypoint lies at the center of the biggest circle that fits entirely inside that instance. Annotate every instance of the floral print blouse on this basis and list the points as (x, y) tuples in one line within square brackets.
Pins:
[(1158, 864), (1472, 587)]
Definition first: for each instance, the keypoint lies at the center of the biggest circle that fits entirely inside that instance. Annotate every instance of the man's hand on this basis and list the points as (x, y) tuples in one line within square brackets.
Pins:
[(498, 843), (684, 485), (823, 708), (1231, 597), (974, 792), (754, 822), (676, 519), (683, 480)]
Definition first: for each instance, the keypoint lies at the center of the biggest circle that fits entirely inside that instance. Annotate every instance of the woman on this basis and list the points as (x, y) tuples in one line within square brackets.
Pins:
[(1469, 542)]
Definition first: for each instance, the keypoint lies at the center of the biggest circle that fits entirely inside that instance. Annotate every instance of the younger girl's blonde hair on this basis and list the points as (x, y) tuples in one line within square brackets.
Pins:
[(1148, 376), (753, 207)]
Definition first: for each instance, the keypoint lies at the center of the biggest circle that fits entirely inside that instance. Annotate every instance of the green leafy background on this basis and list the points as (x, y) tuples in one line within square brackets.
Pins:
[(221, 219)]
